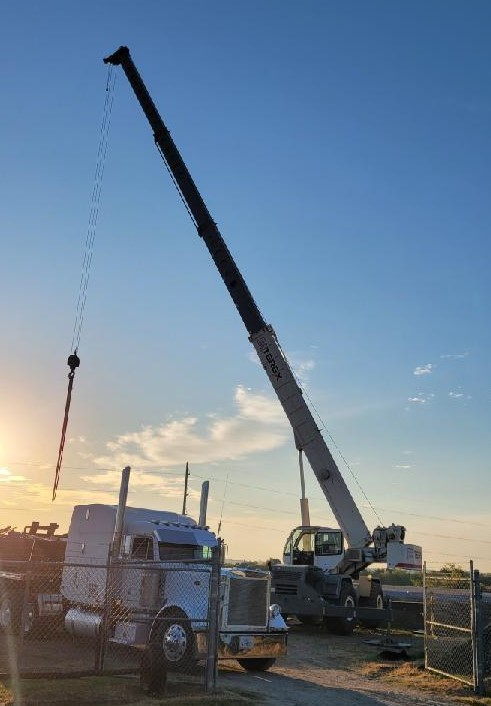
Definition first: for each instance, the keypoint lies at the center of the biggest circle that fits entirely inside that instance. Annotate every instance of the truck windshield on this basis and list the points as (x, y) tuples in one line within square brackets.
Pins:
[(183, 552)]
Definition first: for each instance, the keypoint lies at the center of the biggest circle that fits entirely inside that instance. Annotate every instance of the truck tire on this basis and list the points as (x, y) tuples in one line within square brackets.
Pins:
[(374, 600), (175, 640), (256, 664), (343, 626)]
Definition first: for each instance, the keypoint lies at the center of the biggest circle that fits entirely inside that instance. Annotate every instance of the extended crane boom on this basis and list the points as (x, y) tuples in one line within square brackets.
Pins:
[(307, 435)]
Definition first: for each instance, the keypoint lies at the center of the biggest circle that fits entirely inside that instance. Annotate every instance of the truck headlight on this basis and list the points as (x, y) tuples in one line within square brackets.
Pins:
[(274, 610)]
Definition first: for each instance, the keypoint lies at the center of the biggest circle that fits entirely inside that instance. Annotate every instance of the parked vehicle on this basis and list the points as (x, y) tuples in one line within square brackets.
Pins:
[(147, 574), (140, 578), (30, 574)]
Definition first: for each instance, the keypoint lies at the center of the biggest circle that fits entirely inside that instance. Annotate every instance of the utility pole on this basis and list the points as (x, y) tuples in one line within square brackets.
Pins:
[(186, 476)]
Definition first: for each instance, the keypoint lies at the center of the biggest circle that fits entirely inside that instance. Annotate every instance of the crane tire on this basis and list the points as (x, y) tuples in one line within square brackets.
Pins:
[(343, 626), (374, 600)]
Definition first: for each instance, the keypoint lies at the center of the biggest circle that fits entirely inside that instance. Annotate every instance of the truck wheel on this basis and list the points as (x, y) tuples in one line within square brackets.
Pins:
[(176, 641), (343, 626), (374, 600), (256, 664)]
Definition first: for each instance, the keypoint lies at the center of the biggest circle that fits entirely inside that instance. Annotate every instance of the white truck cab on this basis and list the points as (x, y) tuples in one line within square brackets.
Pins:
[(157, 588)]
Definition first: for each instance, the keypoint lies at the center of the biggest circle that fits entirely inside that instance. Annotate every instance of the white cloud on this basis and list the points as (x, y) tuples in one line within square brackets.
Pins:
[(302, 368), (455, 355), (7, 477), (403, 467), (258, 425), (423, 369), (459, 395), (420, 398), (163, 484), (77, 439)]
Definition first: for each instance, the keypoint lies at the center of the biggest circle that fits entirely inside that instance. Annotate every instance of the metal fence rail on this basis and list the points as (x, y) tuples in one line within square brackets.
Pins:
[(455, 625), (62, 619)]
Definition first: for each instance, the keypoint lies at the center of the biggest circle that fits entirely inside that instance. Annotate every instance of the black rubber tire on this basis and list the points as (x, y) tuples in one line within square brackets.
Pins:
[(175, 642), (374, 600), (343, 626), (257, 664)]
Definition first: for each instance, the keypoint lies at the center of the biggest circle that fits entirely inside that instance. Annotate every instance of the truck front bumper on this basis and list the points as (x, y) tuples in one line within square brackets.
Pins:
[(234, 646)]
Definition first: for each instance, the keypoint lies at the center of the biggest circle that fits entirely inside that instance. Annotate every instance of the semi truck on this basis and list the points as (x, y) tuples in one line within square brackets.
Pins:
[(321, 575), (141, 578), (145, 577)]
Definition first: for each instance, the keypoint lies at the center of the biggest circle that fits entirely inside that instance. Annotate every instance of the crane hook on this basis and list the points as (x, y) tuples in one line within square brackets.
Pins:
[(73, 362)]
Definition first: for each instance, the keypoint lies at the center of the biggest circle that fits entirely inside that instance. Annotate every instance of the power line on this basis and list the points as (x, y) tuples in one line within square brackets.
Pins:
[(176, 475)]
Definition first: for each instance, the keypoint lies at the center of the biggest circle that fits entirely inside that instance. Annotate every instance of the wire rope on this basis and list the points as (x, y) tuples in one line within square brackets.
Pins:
[(73, 359), (94, 208)]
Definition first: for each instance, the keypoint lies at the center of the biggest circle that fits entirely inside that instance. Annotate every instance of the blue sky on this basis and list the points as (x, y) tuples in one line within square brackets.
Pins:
[(344, 150)]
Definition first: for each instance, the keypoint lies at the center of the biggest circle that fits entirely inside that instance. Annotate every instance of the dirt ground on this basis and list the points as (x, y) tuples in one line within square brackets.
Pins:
[(321, 668)]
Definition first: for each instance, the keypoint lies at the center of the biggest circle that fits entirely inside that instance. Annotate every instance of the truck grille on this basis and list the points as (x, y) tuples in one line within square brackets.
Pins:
[(285, 580), (248, 602)]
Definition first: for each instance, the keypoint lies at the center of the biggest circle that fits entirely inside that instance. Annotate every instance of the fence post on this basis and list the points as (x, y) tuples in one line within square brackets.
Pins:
[(25, 618), (213, 622), (101, 641), (425, 608), (476, 625)]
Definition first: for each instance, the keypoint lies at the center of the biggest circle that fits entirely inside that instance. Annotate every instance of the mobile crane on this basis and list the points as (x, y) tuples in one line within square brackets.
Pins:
[(317, 579)]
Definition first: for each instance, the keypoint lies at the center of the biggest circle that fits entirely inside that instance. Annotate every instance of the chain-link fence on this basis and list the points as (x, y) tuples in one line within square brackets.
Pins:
[(457, 627), (67, 619)]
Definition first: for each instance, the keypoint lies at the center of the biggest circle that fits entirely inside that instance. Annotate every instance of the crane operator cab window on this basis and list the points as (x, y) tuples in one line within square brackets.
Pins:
[(328, 543), (305, 544), (300, 546)]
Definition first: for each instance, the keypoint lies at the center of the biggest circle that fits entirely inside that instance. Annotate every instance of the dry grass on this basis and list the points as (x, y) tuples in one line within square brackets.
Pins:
[(412, 675), (109, 691)]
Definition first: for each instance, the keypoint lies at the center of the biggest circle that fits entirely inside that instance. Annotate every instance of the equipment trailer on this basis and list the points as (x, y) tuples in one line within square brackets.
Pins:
[(30, 576)]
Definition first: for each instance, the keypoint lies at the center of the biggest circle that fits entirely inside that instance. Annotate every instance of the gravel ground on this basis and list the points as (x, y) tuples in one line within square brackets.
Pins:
[(324, 669)]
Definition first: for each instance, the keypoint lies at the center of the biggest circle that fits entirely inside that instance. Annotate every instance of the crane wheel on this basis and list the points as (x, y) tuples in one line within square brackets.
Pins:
[(343, 626)]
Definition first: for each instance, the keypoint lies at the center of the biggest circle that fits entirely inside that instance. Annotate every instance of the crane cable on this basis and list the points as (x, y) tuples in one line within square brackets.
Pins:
[(73, 359)]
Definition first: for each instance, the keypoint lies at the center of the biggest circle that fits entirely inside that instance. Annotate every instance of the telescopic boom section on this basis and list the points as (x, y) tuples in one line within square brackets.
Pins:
[(205, 225), (307, 435)]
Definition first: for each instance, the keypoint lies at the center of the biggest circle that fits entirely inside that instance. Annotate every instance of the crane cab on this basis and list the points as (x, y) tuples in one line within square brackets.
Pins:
[(314, 546)]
